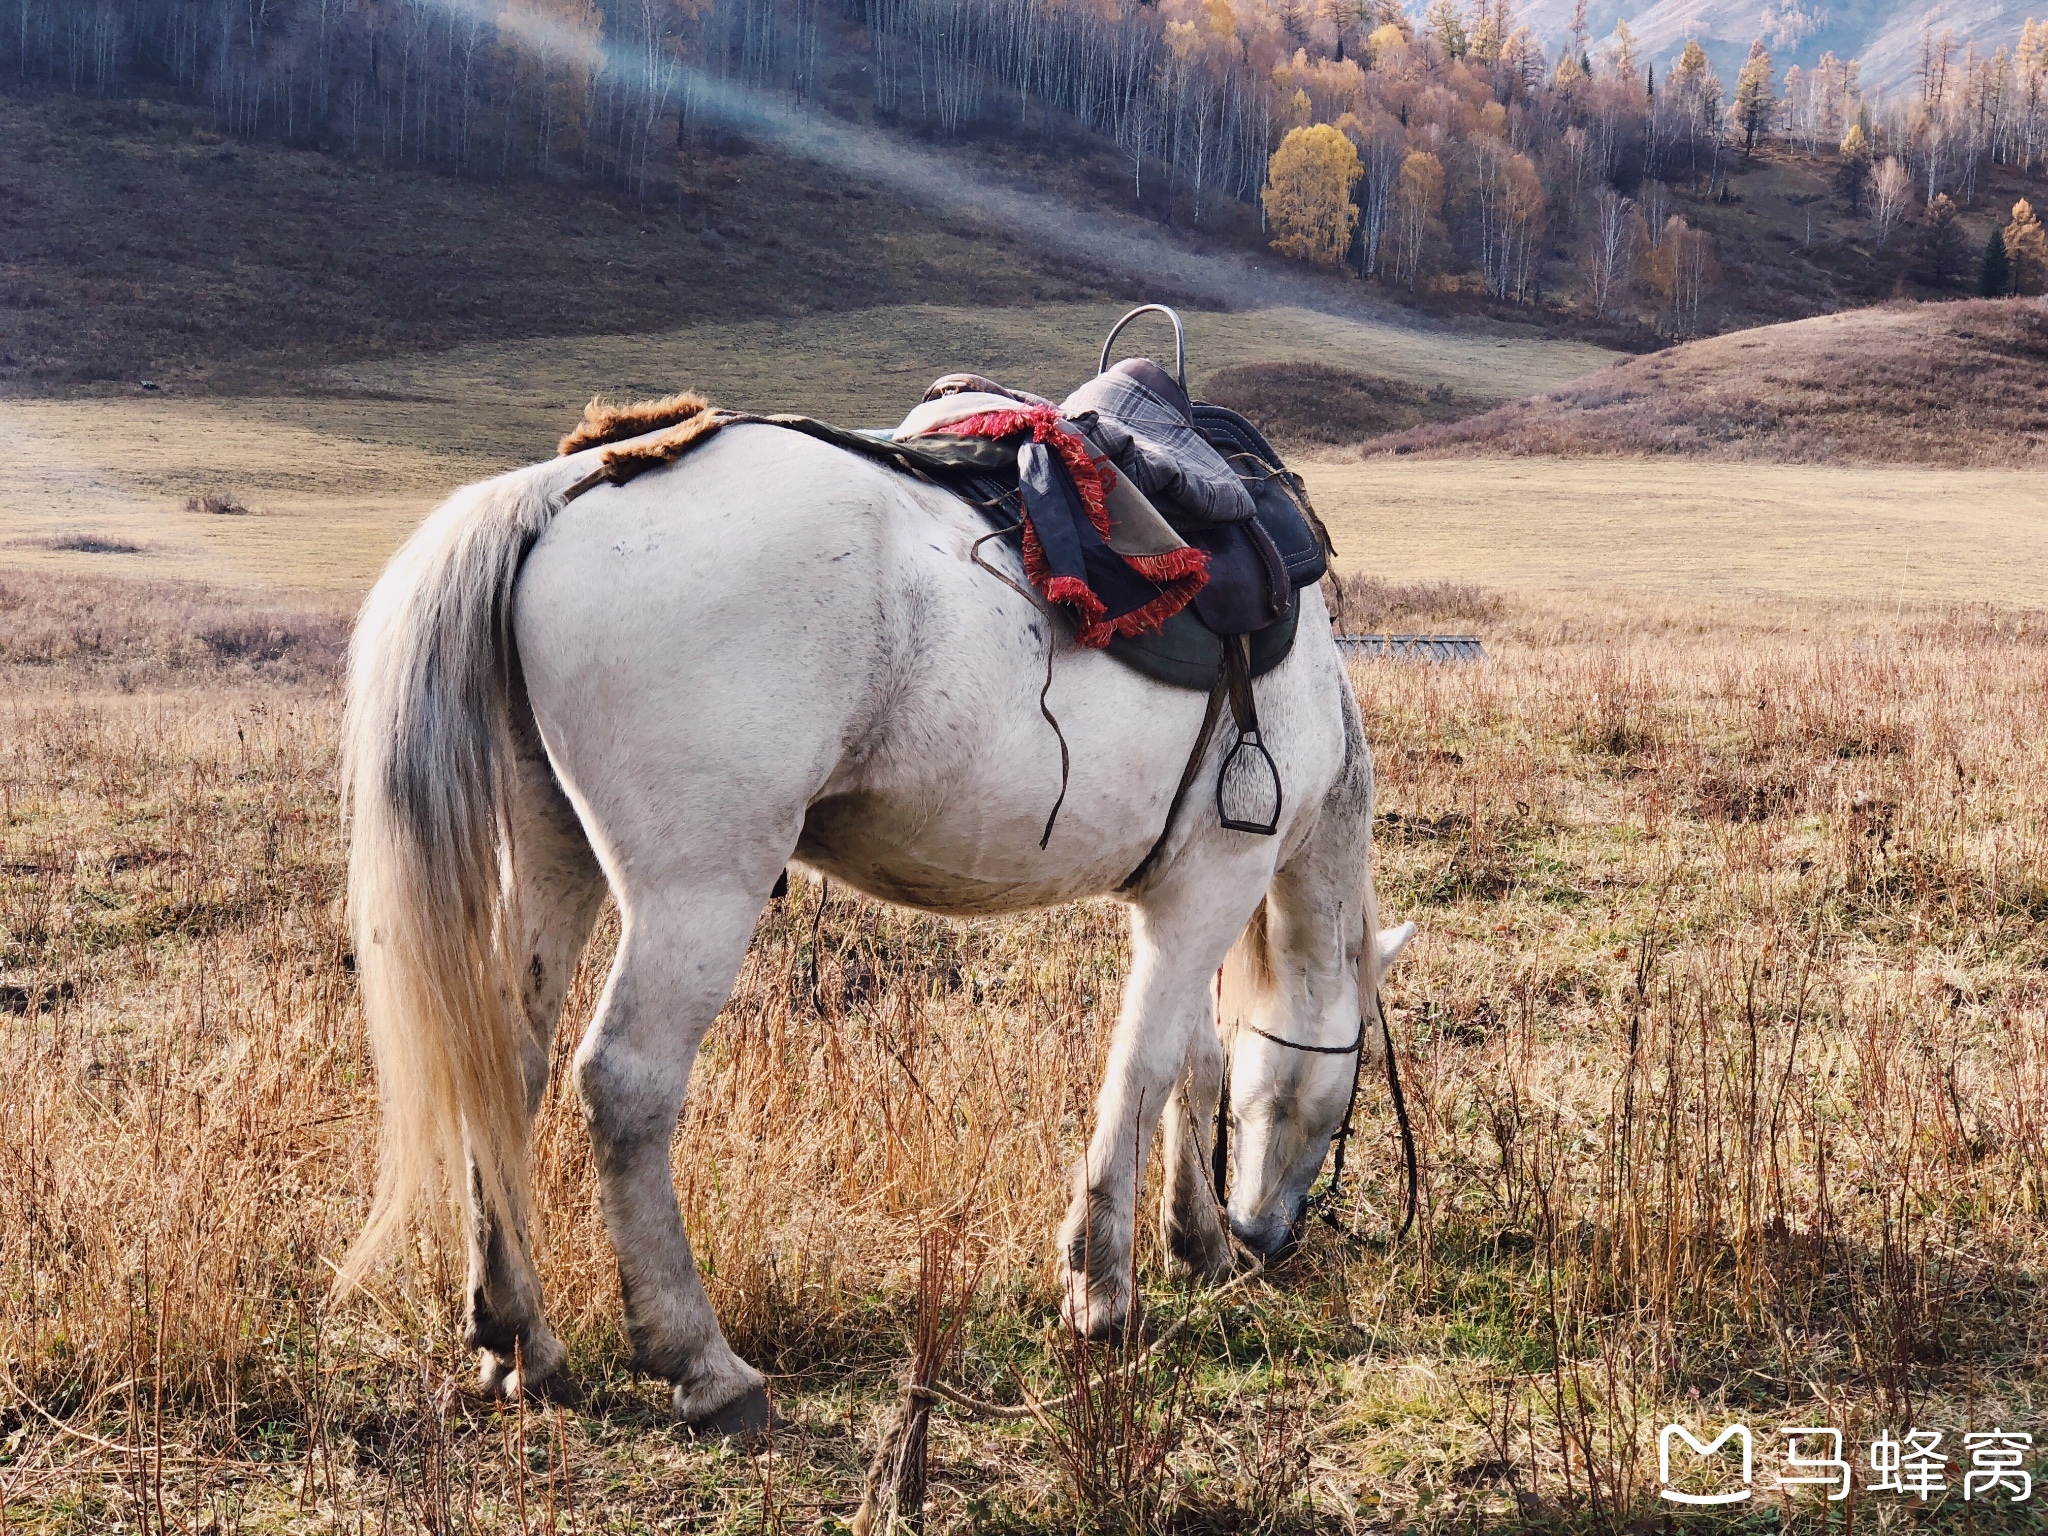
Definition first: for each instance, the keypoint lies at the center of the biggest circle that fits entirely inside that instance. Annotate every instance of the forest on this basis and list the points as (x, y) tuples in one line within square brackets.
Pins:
[(1416, 150)]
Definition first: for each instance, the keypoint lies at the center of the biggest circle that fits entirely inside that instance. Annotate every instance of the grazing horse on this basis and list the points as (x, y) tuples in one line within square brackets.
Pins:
[(774, 650)]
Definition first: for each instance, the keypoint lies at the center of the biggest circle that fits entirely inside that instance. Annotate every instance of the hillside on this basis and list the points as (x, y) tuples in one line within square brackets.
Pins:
[(137, 243), (1882, 35), (1961, 384)]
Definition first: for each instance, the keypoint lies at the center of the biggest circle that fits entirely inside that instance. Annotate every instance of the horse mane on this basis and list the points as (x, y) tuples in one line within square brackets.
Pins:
[(605, 421)]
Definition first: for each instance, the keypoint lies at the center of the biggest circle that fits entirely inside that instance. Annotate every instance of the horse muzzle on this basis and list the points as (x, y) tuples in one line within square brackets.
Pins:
[(1272, 1237)]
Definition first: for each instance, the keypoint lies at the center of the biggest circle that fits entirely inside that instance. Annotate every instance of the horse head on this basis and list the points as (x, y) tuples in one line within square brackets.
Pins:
[(1294, 1062)]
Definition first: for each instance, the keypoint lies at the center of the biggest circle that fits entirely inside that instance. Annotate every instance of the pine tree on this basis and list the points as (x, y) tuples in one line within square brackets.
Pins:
[(1755, 100), (1486, 37), (1854, 175), (1624, 56), (2026, 249), (1994, 277), (1443, 21), (1940, 251)]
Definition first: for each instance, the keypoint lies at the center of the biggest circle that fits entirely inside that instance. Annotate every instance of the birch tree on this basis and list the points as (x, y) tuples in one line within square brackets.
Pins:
[(1612, 245), (1889, 190), (1308, 194)]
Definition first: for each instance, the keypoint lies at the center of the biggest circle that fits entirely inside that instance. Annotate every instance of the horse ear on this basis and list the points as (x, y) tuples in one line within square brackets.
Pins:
[(1392, 942)]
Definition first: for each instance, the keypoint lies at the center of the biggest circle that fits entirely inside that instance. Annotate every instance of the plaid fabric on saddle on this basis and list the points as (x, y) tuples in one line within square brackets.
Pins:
[(1093, 543)]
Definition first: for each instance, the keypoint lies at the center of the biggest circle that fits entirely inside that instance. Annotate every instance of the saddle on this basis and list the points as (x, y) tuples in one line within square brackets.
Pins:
[(1167, 526), (1186, 474), (1190, 475)]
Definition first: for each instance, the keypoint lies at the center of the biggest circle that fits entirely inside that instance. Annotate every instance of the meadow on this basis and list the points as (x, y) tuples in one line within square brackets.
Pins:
[(1725, 1040), (1726, 1044)]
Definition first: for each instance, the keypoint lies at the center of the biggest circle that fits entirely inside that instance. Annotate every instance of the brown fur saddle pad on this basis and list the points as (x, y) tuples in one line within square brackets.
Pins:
[(1161, 502)]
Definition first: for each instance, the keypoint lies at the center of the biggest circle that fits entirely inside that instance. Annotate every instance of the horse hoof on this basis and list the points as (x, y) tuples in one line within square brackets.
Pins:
[(747, 1414), (490, 1374), (1208, 1263), (1098, 1316), (538, 1374)]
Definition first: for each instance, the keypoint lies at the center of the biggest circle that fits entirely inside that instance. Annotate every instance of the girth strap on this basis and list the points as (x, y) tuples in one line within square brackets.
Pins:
[(1210, 716)]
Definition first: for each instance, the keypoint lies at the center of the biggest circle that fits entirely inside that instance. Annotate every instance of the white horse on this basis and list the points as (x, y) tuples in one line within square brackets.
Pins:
[(770, 651)]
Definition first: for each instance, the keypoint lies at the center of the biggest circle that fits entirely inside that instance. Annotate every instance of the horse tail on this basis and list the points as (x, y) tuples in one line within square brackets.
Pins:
[(427, 767)]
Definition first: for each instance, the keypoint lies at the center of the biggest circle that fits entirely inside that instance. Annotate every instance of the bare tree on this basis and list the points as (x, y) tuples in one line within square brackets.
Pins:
[(1382, 145), (1889, 191), (1685, 271), (1611, 247)]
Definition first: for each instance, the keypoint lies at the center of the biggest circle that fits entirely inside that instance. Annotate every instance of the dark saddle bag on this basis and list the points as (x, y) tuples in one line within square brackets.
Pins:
[(1257, 567)]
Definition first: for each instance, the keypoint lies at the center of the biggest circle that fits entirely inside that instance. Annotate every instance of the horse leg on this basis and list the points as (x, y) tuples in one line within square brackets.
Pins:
[(1179, 935), (1190, 1217), (679, 950), (560, 889)]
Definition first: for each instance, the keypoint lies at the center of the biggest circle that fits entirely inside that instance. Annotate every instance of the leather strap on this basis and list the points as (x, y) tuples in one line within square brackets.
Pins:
[(1279, 588), (1187, 777)]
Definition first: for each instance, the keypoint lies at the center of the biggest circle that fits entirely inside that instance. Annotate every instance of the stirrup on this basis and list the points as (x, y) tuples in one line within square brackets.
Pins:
[(1248, 737)]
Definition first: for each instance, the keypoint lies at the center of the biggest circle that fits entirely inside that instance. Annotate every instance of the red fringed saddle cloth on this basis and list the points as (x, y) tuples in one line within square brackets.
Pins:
[(1066, 489)]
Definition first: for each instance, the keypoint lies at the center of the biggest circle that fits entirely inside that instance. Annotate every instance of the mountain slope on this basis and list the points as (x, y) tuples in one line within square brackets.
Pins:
[(1882, 35), (137, 243), (1959, 384)]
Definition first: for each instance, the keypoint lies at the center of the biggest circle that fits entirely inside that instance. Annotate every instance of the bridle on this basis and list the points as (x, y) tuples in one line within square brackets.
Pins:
[(1326, 1204)]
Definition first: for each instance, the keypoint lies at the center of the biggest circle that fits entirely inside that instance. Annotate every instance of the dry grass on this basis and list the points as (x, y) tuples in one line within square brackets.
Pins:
[(1727, 1041), (70, 632), (335, 482), (1308, 406), (1957, 384), (1885, 538)]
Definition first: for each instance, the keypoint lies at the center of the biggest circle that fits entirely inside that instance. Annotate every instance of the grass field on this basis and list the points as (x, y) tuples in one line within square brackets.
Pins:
[(1880, 537), (1726, 1036), (1726, 1040), (336, 474)]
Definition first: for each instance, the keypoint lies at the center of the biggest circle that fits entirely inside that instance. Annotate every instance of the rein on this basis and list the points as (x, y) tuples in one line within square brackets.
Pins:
[(1326, 1204)]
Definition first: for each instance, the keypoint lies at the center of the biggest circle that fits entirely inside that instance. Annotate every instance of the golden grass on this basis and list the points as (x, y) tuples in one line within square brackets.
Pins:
[(1879, 538), (1727, 1041)]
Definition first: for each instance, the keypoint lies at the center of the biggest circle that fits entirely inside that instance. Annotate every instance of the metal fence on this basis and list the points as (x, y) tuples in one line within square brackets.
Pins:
[(1413, 647)]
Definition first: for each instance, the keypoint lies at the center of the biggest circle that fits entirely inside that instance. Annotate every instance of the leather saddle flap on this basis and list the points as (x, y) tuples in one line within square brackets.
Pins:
[(1278, 500), (1254, 566)]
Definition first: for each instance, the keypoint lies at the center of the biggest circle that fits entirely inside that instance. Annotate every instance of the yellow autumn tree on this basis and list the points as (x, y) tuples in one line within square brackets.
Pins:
[(1308, 194), (2026, 249), (1388, 47)]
